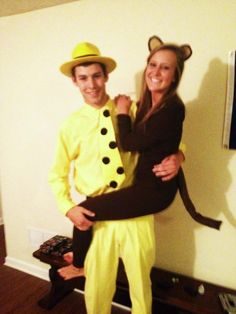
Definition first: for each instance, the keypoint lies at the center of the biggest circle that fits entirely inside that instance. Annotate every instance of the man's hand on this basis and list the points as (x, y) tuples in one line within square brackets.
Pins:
[(169, 166), (77, 216)]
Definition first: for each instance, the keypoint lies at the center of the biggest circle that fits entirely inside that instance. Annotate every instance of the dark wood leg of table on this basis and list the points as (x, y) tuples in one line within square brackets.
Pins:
[(60, 288)]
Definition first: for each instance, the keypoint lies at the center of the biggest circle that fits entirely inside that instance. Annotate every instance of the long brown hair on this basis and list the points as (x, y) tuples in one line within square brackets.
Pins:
[(145, 108)]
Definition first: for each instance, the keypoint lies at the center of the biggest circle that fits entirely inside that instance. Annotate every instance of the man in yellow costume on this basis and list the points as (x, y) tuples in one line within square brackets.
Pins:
[(88, 139)]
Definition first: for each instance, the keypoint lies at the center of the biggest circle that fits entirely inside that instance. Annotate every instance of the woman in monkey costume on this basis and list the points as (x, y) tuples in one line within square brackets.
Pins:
[(155, 134)]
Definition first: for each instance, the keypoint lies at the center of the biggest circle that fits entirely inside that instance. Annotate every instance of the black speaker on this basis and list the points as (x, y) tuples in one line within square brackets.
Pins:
[(229, 134)]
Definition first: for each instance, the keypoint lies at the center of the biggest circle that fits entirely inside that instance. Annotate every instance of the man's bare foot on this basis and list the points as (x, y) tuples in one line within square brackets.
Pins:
[(69, 272), (68, 257)]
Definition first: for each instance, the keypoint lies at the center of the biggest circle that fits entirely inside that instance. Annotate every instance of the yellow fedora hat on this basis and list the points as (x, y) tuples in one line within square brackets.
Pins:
[(86, 52)]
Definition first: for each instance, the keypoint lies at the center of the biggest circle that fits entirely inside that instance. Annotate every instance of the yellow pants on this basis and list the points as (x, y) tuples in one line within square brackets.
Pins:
[(133, 240)]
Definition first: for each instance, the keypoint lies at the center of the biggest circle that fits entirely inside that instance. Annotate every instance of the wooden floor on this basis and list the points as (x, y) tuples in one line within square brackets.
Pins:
[(19, 292)]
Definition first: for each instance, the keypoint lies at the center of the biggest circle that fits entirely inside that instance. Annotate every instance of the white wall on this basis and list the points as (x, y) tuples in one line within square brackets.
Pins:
[(35, 98)]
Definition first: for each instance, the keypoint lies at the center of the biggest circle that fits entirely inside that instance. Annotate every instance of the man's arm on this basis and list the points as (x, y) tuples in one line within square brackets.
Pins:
[(169, 166), (58, 177)]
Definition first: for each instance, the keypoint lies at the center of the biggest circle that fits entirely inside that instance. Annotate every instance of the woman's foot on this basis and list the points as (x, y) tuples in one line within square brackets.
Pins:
[(68, 257), (69, 272)]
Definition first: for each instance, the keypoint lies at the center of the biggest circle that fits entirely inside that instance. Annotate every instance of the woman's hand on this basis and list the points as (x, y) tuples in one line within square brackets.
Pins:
[(123, 104)]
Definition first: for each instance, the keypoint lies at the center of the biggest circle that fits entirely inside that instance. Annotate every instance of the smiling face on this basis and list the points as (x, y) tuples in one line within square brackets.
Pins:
[(91, 81), (160, 71)]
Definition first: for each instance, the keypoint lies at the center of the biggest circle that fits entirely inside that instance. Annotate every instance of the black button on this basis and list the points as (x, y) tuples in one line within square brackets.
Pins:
[(112, 144), (120, 170), (113, 184), (106, 113), (105, 160), (103, 131)]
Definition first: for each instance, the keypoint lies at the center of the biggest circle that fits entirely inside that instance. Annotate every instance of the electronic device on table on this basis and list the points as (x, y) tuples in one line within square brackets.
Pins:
[(228, 302), (56, 246)]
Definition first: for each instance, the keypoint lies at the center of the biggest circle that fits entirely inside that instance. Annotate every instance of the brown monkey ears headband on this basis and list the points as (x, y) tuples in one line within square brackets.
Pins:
[(155, 42)]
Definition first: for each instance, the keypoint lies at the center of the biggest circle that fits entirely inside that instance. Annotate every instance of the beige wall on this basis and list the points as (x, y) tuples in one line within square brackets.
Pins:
[(35, 98)]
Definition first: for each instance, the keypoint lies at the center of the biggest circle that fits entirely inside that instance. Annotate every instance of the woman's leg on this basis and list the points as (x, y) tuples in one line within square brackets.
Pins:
[(114, 206), (80, 244), (126, 203), (131, 202)]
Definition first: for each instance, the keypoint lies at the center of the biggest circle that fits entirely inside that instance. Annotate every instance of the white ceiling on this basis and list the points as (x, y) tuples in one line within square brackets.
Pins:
[(11, 7)]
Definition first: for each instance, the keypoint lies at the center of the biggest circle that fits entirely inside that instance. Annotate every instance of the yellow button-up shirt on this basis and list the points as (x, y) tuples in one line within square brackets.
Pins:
[(79, 155)]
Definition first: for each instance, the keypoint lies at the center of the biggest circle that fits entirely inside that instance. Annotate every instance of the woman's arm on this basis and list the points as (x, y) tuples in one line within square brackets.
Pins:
[(161, 126)]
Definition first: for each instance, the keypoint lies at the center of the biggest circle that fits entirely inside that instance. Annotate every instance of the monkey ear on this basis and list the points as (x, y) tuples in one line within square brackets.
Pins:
[(154, 42), (187, 51)]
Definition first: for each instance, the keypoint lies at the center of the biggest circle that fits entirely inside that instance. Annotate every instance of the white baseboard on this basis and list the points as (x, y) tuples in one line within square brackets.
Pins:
[(42, 273), (27, 268)]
